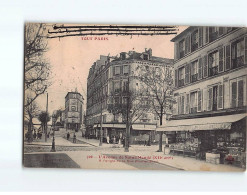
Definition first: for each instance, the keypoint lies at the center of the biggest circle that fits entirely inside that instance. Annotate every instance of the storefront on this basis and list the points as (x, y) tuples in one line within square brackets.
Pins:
[(139, 133), (219, 139)]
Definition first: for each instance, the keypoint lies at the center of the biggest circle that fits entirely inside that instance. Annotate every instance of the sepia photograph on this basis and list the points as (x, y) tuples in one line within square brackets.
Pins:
[(135, 97)]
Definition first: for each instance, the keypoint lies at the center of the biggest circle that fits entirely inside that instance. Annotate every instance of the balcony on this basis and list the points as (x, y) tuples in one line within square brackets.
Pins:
[(181, 83), (194, 78), (213, 71)]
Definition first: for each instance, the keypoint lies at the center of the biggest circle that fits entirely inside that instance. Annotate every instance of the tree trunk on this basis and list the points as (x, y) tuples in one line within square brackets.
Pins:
[(127, 138), (161, 132)]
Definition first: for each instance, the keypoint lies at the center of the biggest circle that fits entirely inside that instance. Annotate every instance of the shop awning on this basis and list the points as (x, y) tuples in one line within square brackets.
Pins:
[(144, 127), (208, 123)]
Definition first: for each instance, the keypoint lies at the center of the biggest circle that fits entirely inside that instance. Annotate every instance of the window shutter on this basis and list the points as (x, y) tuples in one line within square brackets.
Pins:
[(113, 70), (221, 59), (186, 73), (200, 68), (176, 78), (245, 53), (189, 72), (187, 44), (220, 96), (221, 31), (121, 69), (240, 93), (210, 98), (187, 108), (205, 68), (228, 57), (206, 35), (199, 107), (200, 36), (182, 104), (234, 94), (179, 104), (176, 51)]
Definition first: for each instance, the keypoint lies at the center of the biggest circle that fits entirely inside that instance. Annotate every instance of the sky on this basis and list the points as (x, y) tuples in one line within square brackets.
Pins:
[(71, 58)]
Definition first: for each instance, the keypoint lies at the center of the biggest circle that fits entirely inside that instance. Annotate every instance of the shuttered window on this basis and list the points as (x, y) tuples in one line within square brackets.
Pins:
[(182, 104), (176, 78), (187, 107), (210, 98), (205, 68), (200, 68), (187, 44), (176, 51), (228, 57), (221, 59), (240, 93), (220, 96), (199, 107), (206, 35), (200, 36), (234, 94), (187, 73), (245, 53)]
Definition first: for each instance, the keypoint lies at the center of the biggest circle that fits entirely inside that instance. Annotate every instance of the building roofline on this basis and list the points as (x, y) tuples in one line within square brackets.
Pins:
[(182, 33)]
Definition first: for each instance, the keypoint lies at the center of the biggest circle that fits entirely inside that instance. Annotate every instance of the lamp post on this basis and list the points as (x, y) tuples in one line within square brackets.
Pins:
[(53, 149)]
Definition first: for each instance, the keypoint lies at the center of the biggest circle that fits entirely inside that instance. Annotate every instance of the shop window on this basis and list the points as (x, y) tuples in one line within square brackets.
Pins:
[(194, 40), (181, 48), (181, 74), (238, 53), (193, 102), (194, 71), (213, 63)]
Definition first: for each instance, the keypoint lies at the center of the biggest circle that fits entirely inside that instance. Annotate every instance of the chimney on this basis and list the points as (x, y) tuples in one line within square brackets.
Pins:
[(150, 52)]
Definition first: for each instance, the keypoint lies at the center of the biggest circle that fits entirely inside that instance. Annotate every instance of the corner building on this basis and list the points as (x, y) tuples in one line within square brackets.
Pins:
[(209, 118), (73, 111), (107, 83)]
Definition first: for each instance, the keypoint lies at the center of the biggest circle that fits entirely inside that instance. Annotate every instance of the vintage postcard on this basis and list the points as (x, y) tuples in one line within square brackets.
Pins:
[(135, 97)]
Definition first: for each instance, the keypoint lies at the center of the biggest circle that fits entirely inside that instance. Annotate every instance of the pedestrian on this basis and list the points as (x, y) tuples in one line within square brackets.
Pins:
[(68, 135), (145, 143), (74, 138), (108, 139), (34, 135)]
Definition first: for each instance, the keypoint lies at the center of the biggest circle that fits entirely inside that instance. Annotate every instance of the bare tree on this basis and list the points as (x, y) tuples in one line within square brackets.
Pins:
[(37, 68), (159, 81), (31, 111), (134, 104)]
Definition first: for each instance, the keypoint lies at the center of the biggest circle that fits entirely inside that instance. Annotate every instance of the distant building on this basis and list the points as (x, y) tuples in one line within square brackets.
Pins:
[(73, 112), (107, 82)]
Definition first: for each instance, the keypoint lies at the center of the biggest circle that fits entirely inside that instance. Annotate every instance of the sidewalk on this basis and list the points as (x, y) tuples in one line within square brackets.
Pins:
[(180, 162), (59, 141)]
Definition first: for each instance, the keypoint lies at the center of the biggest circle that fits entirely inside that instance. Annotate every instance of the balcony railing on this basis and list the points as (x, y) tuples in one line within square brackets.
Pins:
[(181, 83), (194, 78), (213, 71)]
